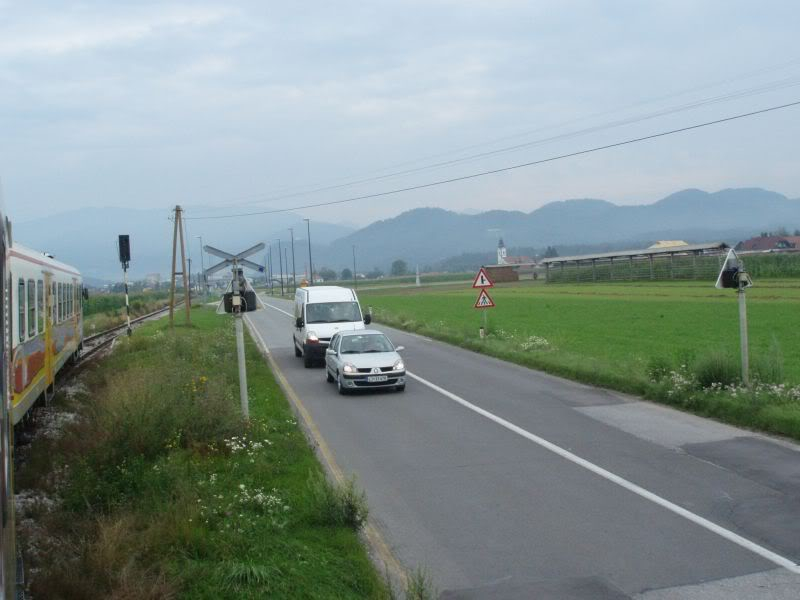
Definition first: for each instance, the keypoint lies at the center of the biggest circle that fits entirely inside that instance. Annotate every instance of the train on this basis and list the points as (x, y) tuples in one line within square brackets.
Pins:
[(41, 332)]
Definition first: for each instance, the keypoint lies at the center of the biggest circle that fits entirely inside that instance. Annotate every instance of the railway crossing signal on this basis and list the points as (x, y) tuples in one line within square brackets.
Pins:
[(237, 262), (125, 259), (733, 276)]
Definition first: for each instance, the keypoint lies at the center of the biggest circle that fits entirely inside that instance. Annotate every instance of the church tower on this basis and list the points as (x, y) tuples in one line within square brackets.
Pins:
[(501, 252)]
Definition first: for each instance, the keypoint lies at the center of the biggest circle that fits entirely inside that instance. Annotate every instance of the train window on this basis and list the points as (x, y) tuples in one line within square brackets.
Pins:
[(60, 302), (31, 308), (40, 305), (21, 311), (71, 300)]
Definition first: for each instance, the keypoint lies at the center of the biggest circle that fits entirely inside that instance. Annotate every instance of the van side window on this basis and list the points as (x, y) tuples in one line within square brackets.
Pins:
[(21, 309), (31, 308)]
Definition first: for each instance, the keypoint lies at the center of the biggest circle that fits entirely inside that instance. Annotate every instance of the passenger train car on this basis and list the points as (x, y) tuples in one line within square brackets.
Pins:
[(46, 324), (41, 330)]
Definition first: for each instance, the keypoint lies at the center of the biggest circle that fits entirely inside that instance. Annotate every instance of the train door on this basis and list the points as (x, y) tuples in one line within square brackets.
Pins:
[(49, 352)]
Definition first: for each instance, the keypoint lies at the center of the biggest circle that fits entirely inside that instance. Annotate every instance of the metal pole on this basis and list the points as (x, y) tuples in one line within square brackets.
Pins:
[(310, 264), (127, 304), (280, 263), (202, 266), (743, 336), (294, 271), (355, 282), (269, 268), (286, 262), (237, 316)]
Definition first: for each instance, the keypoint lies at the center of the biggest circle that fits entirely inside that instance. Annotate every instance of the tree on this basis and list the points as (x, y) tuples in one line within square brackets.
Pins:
[(551, 252), (347, 274), (399, 267), (375, 273), (797, 231), (327, 274)]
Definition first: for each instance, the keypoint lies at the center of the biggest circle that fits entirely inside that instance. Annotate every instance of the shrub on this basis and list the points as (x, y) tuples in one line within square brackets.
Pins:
[(715, 367), (419, 586), (658, 368), (336, 504)]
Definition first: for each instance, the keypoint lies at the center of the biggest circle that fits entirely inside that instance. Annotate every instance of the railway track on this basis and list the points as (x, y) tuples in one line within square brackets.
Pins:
[(93, 343)]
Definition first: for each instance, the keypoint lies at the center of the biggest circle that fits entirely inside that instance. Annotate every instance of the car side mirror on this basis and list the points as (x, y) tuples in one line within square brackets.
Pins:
[(399, 348), (367, 319), (330, 351), (299, 322)]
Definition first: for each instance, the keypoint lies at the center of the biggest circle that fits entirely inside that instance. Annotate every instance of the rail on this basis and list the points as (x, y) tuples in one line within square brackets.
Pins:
[(100, 340)]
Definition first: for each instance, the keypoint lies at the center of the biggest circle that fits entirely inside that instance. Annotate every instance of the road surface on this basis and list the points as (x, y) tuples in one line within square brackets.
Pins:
[(504, 482)]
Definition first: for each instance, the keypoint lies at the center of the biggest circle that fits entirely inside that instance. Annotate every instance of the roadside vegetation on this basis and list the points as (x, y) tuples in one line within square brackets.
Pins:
[(152, 486), (103, 311), (675, 342)]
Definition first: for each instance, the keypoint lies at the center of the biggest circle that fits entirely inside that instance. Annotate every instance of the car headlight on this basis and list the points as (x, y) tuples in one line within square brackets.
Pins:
[(399, 365), (311, 338), (348, 368)]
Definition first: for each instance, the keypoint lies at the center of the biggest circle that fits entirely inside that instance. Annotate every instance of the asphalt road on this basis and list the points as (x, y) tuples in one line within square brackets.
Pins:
[(504, 482)]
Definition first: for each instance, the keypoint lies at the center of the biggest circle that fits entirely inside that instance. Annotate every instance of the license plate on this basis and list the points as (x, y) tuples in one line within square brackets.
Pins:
[(377, 378)]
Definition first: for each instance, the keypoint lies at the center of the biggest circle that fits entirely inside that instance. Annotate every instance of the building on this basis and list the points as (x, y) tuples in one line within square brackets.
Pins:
[(766, 243), (504, 259)]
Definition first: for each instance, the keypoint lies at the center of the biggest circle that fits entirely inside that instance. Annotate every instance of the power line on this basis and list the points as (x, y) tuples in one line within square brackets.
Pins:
[(737, 94), (509, 168)]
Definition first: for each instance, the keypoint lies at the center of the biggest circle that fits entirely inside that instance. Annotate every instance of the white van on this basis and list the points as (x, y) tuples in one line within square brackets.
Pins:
[(319, 313)]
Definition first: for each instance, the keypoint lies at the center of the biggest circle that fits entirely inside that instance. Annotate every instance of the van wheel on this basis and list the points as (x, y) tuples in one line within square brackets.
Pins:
[(308, 362), (297, 351)]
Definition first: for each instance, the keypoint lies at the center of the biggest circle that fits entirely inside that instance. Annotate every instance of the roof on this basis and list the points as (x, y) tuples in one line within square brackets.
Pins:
[(668, 244), (41, 258), (771, 242), (329, 293), (643, 252), (360, 332)]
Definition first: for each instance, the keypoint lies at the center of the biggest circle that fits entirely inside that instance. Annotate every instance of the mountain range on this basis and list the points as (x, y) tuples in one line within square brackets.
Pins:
[(424, 236)]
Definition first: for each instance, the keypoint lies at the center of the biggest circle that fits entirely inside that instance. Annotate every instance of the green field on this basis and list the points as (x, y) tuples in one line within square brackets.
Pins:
[(617, 334)]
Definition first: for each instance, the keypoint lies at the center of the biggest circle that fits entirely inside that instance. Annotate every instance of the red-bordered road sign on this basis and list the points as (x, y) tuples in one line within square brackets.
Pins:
[(484, 300), (482, 280)]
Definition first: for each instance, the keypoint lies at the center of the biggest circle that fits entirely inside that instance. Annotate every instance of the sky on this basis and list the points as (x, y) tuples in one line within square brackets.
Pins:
[(241, 107)]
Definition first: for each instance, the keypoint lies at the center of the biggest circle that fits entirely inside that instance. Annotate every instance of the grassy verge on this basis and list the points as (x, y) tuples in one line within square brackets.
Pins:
[(155, 488), (664, 341), (103, 311)]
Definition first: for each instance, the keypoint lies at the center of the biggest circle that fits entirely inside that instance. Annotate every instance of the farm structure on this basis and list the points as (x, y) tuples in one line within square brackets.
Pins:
[(685, 261)]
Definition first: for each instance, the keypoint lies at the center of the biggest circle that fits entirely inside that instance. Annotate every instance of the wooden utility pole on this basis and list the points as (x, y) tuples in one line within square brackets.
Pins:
[(187, 299)]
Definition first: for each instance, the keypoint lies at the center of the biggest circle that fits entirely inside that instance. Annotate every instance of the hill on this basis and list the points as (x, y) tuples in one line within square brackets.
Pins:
[(428, 236), (87, 238)]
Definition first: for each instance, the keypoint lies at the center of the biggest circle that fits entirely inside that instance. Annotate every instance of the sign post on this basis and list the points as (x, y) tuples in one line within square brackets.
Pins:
[(236, 262), (733, 276), (482, 282)]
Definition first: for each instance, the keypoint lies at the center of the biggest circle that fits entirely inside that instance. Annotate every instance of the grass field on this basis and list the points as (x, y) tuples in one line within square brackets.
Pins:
[(618, 335), (158, 489)]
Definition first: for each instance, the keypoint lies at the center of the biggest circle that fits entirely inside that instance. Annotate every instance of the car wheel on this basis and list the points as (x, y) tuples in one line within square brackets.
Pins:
[(329, 376), (297, 352), (340, 387), (400, 388)]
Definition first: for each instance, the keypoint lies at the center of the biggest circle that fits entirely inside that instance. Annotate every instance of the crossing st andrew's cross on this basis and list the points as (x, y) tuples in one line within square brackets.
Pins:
[(231, 259)]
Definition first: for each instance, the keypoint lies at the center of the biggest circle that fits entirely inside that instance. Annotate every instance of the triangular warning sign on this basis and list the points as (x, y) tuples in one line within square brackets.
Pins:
[(484, 300), (482, 280)]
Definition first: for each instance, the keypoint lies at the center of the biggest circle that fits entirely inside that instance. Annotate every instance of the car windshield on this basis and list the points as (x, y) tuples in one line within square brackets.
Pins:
[(363, 344), (332, 312)]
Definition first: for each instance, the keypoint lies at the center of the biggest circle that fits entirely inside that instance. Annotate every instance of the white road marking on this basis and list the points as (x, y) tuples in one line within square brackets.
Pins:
[(616, 479), (609, 476), (288, 314)]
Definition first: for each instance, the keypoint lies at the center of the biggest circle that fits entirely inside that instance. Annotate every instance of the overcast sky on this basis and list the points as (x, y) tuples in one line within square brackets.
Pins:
[(149, 104)]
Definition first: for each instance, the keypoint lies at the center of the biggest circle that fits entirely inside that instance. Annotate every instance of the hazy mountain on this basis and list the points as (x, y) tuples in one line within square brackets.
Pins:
[(429, 235), (87, 238)]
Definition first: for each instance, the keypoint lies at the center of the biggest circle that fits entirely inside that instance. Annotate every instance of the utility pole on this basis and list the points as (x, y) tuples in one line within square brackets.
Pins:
[(286, 262), (270, 273), (310, 264), (355, 283), (203, 267), (178, 232), (189, 260), (294, 271), (280, 263)]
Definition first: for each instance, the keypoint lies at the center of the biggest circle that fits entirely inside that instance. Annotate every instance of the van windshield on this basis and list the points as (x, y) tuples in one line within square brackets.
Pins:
[(332, 312)]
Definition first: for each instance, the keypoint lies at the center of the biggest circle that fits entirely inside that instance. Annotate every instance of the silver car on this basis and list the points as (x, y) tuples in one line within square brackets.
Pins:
[(365, 359)]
